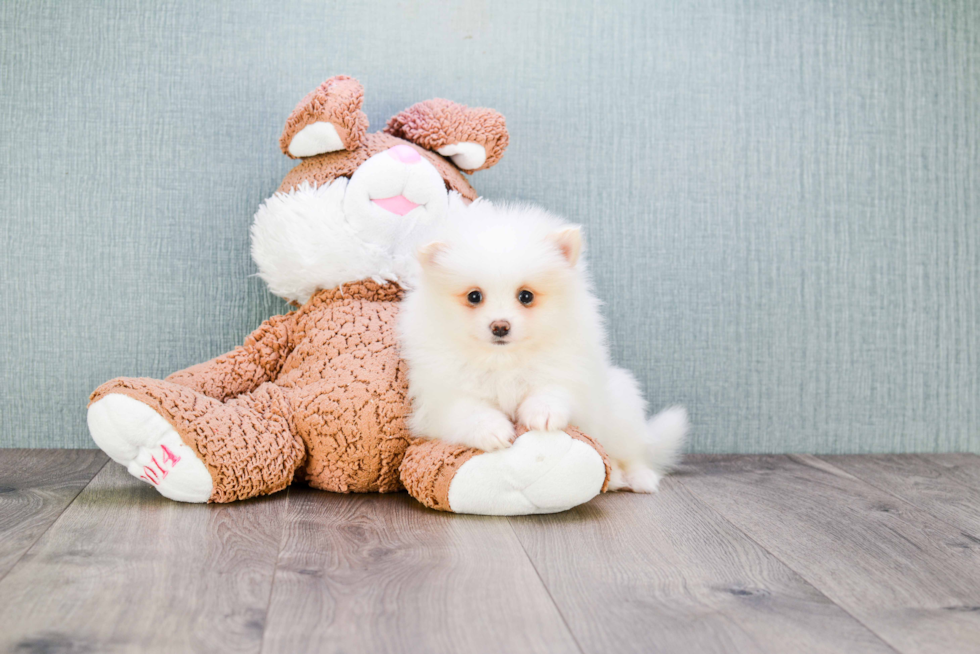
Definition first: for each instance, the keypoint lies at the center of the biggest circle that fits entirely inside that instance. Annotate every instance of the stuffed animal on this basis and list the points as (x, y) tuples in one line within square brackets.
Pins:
[(319, 395)]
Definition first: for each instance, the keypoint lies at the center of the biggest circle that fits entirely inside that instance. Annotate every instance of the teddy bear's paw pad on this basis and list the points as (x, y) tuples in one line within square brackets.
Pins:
[(542, 472), (316, 138), (139, 438)]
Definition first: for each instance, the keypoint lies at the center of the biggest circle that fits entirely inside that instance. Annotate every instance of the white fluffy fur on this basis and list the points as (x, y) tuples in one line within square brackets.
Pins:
[(552, 369), (312, 238)]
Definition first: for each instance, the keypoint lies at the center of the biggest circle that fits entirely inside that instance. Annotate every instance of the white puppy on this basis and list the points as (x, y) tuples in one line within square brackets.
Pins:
[(503, 326)]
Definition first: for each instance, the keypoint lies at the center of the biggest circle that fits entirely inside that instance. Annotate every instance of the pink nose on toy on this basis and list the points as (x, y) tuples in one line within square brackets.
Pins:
[(404, 154)]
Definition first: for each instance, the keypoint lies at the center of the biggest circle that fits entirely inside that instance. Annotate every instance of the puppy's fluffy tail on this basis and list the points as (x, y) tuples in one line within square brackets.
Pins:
[(666, 433)]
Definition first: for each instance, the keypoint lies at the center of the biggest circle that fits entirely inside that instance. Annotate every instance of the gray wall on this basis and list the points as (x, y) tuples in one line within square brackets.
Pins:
[(782, 198)]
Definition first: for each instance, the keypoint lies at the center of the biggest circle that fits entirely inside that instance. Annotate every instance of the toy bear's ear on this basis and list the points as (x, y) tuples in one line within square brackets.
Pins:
[(474, 138), (328, 119)]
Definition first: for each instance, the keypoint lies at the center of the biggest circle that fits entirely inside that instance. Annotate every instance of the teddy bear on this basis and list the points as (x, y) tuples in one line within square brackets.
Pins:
[(318, 395)]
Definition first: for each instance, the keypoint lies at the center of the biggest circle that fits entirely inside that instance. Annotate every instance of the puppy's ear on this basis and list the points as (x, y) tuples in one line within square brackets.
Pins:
[(569, 242), (427, 254)]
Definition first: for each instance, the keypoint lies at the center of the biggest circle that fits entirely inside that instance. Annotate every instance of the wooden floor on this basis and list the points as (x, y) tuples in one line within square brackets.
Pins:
[(735, 554)]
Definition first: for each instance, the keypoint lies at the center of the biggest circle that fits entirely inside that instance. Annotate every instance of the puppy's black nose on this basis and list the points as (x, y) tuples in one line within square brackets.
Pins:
[(500, 328)]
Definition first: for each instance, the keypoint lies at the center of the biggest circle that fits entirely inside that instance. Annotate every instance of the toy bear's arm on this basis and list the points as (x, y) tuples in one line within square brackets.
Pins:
[(243, 369)]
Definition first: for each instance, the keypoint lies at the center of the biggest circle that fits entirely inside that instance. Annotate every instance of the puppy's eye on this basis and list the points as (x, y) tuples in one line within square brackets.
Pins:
[(474, 297), (525, 297)]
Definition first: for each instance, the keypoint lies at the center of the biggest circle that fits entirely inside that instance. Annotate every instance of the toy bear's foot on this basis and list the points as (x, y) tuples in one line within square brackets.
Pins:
[(136, 436), (542, 472)]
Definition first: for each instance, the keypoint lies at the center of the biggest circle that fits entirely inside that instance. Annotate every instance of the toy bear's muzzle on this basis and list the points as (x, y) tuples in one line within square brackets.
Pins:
[(393, 193)]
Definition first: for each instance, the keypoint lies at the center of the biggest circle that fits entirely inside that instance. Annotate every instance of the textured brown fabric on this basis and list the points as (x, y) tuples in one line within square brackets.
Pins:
[(429, 468), (437, 123), (349, 388), (338, 102), (324, 168), (257, 361)]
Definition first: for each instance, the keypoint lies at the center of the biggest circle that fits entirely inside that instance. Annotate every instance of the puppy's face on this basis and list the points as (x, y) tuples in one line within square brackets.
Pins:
[(504, 293)]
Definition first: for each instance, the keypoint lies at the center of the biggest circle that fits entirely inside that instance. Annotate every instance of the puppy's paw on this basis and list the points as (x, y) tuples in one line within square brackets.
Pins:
[(541, 413), (643, 480), (636, 479), (492, 431), (617, 480)]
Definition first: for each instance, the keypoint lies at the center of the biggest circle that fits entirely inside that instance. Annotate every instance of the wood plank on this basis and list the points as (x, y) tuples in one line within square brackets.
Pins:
[(665, 573), (911, 578), (960, 467), (35, 487), (125, 569), (919, 481), (380, 573)]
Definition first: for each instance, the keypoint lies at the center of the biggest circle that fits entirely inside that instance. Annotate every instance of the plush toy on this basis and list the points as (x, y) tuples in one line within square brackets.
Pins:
[(319, 395)]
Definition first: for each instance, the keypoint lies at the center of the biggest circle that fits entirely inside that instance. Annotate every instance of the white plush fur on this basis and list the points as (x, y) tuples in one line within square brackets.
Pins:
[(321, 237), (551, 370), (302, 241)]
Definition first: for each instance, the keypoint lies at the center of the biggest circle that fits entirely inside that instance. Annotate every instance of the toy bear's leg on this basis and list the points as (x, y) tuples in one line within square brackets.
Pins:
[(542, 472), (194, 448)]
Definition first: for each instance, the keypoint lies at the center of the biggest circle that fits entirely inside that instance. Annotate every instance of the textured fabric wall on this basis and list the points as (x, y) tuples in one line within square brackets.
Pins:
[(782, 199)]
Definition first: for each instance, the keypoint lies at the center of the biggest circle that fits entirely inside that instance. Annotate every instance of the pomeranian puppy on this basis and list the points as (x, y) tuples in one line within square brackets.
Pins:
[(502, 326)]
